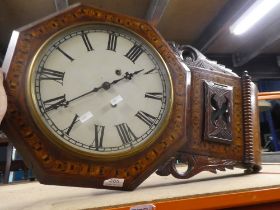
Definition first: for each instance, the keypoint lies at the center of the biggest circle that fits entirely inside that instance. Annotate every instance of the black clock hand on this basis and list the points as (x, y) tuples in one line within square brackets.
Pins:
[(130, 75), (87, 93), (105, 86), (126, 76)]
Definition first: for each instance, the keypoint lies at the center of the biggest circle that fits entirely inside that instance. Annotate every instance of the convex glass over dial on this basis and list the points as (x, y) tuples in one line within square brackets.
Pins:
[(100, 89)]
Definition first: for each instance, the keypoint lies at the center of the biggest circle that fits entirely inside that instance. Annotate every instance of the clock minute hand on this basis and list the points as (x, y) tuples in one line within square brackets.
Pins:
[(106, 85), (86, 93)]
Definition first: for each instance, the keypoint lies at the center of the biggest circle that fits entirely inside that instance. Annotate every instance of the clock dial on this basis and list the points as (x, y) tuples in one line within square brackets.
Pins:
[(100, 89)]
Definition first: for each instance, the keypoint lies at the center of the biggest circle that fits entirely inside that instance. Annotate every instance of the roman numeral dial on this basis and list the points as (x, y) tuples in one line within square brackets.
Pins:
[(101, 90), (154, 95), (98, 137), (54, 103), (86, 41), (49, 74), (112, 42), (134, 53), (70, 127), (65, 54), (125, 133), (146, 118)]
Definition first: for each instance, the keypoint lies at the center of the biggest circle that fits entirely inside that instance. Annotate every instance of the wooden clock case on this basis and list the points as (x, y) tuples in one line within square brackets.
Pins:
[(213, 126), (60, 166), (224, 129)]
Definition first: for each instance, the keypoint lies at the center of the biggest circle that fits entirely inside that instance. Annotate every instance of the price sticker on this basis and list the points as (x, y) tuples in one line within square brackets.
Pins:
[(113, 182), (143, 207), (116, 100), (85, 117)]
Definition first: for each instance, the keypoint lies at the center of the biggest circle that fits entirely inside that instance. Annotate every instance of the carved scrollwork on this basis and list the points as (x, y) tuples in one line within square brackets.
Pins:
[(218, 112), (194, 58), (196, 164)]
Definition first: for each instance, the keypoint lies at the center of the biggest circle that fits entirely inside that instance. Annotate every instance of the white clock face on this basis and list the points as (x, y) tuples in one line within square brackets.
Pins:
[(101, 89)]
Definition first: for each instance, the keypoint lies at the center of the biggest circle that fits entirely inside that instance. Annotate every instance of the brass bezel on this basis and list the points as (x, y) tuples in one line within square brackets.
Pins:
[(31, 98)]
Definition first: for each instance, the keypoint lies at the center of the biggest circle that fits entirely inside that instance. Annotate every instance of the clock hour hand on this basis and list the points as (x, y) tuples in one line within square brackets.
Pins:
[(107, 85), (127, 75), (130, 75)]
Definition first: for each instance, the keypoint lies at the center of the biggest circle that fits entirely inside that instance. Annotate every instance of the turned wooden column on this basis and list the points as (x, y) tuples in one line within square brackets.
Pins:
[(247, 119)]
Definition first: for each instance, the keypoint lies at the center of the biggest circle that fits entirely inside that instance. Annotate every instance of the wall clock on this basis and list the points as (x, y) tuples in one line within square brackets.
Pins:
[(100, 90), (95, 99)]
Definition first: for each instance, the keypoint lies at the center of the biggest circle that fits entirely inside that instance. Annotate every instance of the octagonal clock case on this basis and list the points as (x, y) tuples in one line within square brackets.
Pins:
[(95, 99)]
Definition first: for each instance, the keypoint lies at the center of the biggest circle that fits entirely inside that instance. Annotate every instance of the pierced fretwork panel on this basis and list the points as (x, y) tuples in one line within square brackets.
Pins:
[(218, 112)]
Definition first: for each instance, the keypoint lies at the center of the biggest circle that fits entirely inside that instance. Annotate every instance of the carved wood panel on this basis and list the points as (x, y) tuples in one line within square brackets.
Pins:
[(218, 112), (197, 143)]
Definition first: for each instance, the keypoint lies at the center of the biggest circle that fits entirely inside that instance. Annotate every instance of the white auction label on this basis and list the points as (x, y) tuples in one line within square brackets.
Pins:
[(143, 207), (85, 117), (116, 100), (113, 182)]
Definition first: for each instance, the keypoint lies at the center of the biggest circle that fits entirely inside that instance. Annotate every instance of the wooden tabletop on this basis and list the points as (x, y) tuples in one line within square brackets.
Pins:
[(224, 189)]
